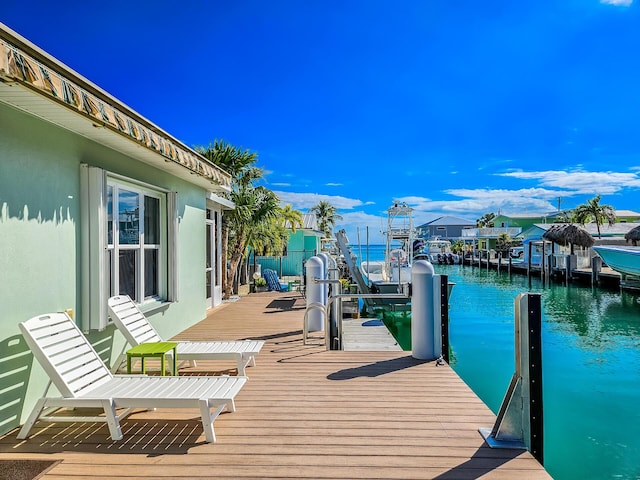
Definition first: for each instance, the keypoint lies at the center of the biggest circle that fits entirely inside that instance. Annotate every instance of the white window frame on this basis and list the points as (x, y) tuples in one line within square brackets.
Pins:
[(141, 247), (95, 250)]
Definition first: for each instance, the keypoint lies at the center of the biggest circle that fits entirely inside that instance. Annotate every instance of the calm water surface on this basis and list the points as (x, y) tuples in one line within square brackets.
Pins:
[(591, 363), (591, 366)]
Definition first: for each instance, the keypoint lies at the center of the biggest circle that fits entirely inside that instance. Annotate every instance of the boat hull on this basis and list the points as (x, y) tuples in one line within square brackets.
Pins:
[(622, 259)]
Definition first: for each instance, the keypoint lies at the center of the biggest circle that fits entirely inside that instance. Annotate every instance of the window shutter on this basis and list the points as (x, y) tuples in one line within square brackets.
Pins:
[(93, 240), (172, 247)]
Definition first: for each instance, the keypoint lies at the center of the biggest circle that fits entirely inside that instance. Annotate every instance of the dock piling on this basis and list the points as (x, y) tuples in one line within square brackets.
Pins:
[(520, 420)]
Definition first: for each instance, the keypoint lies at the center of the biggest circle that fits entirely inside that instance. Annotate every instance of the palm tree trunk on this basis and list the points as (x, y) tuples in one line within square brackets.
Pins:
[(224, 253)]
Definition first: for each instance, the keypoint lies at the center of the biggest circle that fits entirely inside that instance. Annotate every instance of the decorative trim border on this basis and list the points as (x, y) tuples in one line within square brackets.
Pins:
[(16, 65)]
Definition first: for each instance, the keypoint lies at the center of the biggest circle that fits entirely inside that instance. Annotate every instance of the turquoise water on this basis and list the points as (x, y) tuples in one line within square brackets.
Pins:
[(591, 364)]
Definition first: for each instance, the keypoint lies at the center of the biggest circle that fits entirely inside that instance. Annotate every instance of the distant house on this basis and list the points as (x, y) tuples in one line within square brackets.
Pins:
[(95, 200), (526, 220), (609, 235), (302, 245), (626, 216), (446, 227)]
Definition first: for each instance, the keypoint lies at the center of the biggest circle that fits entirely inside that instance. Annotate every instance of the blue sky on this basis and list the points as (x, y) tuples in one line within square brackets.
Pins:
[(458, 108)]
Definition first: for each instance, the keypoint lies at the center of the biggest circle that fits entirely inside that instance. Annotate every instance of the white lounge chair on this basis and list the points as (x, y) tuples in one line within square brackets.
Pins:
[(83, 380), (136, 329)]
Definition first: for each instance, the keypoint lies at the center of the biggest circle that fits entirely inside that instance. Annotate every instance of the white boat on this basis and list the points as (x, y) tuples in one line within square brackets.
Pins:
[(623, 259), (399, 245), (436, 251), (373, 270)]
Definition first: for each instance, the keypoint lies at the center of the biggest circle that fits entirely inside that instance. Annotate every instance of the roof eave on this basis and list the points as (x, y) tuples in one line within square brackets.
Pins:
[(34, 82)]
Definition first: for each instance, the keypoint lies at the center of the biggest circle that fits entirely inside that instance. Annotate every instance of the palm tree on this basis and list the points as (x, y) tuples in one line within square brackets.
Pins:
[(327, 216), (291, 218), (254, 205), (233, 160), (255, 210), (593, 211), (504, 243), (486, 220)]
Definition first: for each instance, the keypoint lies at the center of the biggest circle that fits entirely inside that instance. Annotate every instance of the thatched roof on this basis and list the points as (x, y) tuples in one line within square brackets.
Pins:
[(633, 235), (569, 234)]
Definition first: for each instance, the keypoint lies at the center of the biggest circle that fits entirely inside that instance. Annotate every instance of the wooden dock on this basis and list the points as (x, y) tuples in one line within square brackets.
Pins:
[(368, 334), (304, 413)]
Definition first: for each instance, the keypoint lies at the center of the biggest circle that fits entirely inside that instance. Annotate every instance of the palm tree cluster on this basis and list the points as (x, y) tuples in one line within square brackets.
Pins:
[(255, 220), (258, 222)]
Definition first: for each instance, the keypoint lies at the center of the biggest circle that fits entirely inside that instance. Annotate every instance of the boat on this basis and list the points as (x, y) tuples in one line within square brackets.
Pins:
[(621, 258), (435, 250), (373, 270), (400, 234)]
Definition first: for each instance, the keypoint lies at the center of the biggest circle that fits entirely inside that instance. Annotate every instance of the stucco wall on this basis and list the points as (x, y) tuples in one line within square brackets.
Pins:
[(40, 238)]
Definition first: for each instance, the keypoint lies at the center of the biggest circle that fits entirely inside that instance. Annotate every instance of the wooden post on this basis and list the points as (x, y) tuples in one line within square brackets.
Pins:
[(542, 264), (596, 266)]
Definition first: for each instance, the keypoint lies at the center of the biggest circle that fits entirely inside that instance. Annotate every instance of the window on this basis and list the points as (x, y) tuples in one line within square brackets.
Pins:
[(128, 243), (136, 245)]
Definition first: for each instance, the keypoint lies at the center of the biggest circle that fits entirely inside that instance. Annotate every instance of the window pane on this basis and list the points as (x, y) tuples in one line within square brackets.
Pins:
[(109, 215), (112, 290), (127, 273), (150, 273), (208, 245), (151, 221), (128, 217)]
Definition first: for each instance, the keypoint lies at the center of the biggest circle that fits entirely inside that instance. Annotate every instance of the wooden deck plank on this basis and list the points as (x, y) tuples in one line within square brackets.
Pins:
[(304, 413)]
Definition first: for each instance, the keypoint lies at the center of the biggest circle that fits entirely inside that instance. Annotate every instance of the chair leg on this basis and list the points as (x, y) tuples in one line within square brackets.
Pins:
[(33, 418), (241, 367), (208, 418), (112, 419), (243, 363)]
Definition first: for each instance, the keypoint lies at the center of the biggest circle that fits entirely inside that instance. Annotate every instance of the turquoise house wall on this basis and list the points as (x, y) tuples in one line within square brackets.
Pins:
[(40, 238), (312, 242), (300, 247)]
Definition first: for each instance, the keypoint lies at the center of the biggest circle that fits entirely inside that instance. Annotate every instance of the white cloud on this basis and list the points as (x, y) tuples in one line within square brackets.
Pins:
[(359, 224), (303, 201), (540, 198), (620, 3), (580, 181), (333, 184)]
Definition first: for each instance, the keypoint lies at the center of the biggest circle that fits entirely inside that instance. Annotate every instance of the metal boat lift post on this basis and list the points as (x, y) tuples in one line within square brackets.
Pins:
[(520, 420)]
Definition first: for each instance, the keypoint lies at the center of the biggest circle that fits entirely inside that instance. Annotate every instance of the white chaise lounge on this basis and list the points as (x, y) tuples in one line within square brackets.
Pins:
[(136, 329), (84, 380)]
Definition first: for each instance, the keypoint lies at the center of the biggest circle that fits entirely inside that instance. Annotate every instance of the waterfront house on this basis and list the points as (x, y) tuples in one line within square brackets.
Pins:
[(609, 235), (95, 200), (526, 220), (447, 227), (627, 216)]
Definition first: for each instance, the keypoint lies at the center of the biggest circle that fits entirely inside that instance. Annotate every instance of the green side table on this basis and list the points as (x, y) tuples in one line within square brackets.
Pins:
[(153, 350)]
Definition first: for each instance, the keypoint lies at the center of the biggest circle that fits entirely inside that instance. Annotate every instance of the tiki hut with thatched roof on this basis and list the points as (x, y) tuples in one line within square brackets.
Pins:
[(569, 234)]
